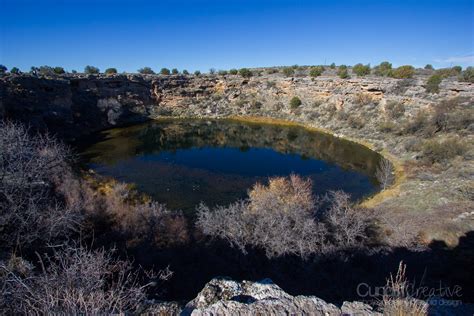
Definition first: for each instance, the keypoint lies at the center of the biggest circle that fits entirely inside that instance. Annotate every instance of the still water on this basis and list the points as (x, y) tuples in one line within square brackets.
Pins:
[(182, 162)]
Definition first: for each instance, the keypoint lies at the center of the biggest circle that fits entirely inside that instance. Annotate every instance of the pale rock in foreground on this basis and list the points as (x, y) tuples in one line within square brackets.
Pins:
[(223, 296)]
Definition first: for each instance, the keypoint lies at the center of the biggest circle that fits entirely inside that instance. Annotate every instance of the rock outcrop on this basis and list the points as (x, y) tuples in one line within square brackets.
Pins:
[(223, 296)]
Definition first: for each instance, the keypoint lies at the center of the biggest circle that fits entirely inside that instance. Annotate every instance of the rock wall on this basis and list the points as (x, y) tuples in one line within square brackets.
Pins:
[(74, 105)]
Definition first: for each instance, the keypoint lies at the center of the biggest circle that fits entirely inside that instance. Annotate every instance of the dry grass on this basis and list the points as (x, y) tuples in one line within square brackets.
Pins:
[(398, 300)]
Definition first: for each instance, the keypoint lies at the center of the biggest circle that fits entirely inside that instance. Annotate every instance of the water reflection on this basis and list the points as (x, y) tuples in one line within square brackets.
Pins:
[(184, 162)]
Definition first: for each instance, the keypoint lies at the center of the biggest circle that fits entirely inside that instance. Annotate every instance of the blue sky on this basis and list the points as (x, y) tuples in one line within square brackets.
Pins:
[(198, 34)]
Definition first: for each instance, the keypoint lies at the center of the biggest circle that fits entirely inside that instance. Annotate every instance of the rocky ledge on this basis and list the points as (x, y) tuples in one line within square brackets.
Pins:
[(223, 296)]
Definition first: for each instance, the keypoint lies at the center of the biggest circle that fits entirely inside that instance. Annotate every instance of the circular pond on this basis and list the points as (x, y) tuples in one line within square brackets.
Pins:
[(183, 162)]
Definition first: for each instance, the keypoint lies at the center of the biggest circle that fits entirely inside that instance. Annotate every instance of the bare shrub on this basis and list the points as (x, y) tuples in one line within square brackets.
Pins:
[(398, 299), (30, 209), (347, 224), (444, 150), (138, 219), (281, 218), (363, 99), (73, 281), (394, 109), (385, 173)]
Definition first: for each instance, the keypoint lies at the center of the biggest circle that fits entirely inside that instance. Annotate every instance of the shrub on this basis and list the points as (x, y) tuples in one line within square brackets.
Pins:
[(29, 167), (295, 102), (280, 219), (468, 74), (146, 71), (457, 69), (174, 71), (316, 71), (59, 70), (288, 71), (443, 151), (403, 72), (233, 71), (197, 73), (447, 72), (185, 72), (384, 69), (15, 70), (73, 281), (361, 70), (222, 72), (332, 66), (385, 173), (356, 121), (245, 72), (342, 72), (387, 127), (91, 70), (46, 71), (272, 71), (432, 84), (429, 67), (363, 99), (110, 71), (421, 123), (3, 69), (394, 109), (212, 71), (165, 71), (74, 71)]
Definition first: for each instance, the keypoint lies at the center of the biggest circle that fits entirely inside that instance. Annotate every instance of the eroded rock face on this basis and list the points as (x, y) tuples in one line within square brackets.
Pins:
[(72, 105), (223, 296)]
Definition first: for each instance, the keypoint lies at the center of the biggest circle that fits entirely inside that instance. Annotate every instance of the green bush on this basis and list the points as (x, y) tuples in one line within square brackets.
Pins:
[(295, 102), (212, 71), (316, 71), (15, 70), (443, 151), (429, 67), (432, 84), (165, 71), (222, 72), (185, 72), (146, 71), (457, 69), (245, 72), (174, 71), (332, 66), (233, 71), (272, 71), (403, 72), (59, 70), (111, 71), (468, 74), (361, 70), (288, 71), (384, 69), (91, 70), (3, 69), (197, 73), (342, 72), (447, 72)]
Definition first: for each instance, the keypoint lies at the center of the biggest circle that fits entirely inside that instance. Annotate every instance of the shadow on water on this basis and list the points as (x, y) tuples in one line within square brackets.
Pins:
[(183, 162)]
